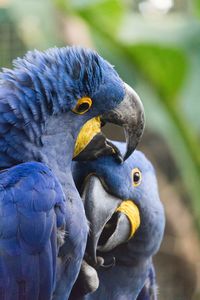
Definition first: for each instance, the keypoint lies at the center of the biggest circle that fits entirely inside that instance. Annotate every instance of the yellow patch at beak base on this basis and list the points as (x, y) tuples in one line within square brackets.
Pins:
[(132, 212), (86, 134)]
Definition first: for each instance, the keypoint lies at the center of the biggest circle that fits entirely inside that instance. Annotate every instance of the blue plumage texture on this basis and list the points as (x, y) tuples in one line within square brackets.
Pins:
[(133, 271), (30, 197), (149, 290)]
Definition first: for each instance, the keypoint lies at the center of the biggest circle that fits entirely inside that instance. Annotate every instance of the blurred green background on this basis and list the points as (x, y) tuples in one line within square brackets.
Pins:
[(155, 47)]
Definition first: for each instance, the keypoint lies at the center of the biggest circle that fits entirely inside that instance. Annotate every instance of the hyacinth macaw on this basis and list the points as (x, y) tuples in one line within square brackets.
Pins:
[(45, 100), (127, 222)]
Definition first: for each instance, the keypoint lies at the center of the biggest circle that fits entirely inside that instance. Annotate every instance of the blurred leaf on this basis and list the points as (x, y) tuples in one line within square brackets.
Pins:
[(107, 13), (165, 68), (84, 4), (197, 7), (190, 104)]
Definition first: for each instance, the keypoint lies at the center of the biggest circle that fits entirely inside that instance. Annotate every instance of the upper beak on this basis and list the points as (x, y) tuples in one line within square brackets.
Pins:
[(130, 115), (110, 226)]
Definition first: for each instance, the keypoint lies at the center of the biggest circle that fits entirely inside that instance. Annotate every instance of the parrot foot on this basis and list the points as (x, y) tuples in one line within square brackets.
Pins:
[(89, 277), (101, 263), (88, 280)]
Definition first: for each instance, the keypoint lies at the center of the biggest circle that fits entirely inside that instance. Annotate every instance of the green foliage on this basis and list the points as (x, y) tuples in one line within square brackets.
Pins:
[(104, 13), (165, 67), (197, 7)]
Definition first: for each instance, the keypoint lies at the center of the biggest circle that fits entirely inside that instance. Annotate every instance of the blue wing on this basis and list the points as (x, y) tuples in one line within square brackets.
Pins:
[(32, 208), (149, 291)]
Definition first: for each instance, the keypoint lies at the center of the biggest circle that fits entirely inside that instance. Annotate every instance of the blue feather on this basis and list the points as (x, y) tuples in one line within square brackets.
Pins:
[(29, 194)]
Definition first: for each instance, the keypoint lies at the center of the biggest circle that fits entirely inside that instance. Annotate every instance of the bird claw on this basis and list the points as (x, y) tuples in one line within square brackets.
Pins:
[(88, 281), (107, 265), (101, 263)]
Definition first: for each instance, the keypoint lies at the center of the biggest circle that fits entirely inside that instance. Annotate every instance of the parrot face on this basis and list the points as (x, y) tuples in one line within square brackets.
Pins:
[(122, 205), (48, 97)]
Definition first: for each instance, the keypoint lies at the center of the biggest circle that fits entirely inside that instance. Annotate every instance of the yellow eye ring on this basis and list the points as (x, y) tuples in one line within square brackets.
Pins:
[(136, 176), (82, 105)]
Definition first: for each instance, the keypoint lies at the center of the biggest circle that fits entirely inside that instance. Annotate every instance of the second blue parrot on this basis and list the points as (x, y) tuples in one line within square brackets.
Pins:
[(127, 222)]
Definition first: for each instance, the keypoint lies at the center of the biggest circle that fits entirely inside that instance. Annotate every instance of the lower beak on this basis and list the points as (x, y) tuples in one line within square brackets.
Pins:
[(99, 146), (110, 224)]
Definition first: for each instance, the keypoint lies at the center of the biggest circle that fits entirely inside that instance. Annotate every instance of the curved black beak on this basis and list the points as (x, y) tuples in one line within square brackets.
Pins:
[(108, 227), (130, 115)]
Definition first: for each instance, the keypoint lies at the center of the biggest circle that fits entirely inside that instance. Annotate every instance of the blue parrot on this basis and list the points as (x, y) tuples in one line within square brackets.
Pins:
[(52, 104), (127, 222)]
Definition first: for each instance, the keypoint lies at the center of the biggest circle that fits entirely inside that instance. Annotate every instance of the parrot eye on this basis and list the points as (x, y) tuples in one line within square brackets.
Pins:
[(82, 106), (136, 176)]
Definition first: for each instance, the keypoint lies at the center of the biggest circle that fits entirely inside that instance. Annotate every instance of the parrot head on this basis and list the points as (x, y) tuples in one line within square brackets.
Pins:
[(53, 103), (122, 205)]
